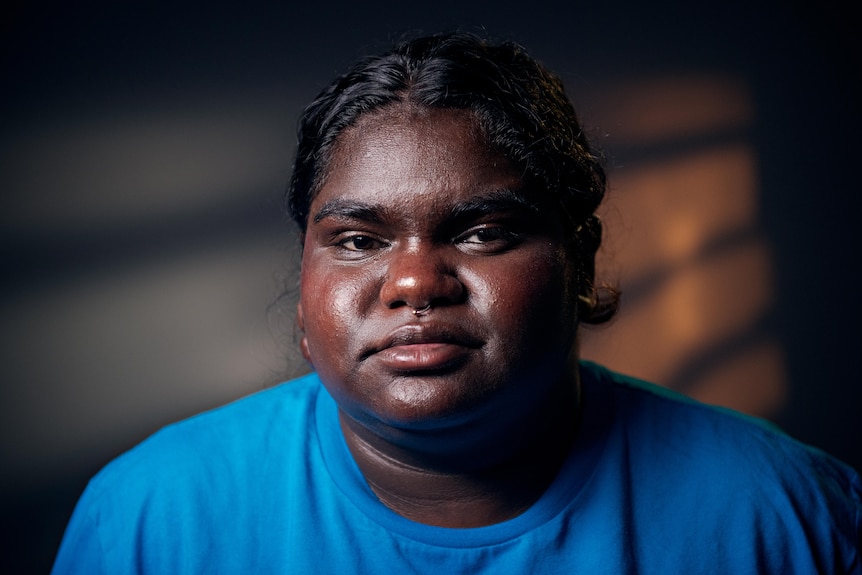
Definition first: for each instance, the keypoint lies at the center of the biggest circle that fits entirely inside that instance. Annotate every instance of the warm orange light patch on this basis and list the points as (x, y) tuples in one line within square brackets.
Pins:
[(700, 305), (667, 212), (683, 243)]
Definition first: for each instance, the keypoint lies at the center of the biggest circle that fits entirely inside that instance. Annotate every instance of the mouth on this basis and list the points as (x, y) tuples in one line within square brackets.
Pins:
[(424, 348)]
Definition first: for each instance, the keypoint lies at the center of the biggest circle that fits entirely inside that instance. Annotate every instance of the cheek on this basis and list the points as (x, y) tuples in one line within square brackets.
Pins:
[(532, 293), (333, 303)]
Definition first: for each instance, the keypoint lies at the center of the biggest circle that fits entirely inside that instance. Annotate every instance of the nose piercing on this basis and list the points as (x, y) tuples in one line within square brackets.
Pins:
[(422, 311)]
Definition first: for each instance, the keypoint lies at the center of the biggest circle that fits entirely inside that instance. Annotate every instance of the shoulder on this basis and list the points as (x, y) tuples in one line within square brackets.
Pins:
[(739, 474), (210, 478), (234, 435), (658, 420)]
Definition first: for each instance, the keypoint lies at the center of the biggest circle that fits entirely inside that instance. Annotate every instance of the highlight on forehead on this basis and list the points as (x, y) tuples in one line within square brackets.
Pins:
[(400, 112)]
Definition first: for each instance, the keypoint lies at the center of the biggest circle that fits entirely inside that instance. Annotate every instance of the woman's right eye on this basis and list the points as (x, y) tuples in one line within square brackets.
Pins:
[(359, 243)]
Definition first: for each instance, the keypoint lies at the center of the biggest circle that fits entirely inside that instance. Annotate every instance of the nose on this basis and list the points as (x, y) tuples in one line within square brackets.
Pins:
[(420, 278)]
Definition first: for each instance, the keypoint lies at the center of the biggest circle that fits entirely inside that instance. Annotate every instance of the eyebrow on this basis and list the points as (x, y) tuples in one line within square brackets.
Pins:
[(348, 209), (503, 200)]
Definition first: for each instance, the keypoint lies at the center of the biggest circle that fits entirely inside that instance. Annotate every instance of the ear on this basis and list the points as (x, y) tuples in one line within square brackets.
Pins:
[(303, 342)]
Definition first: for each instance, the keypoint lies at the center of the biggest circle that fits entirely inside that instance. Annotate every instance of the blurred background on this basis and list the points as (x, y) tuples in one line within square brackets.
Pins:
[(148, 274)]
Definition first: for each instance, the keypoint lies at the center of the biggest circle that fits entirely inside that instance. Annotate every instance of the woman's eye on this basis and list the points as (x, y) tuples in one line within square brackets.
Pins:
[(359, 243), (490, 238)]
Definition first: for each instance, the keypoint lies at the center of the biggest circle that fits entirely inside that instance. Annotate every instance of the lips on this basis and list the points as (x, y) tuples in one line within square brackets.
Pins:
[(424, 347)]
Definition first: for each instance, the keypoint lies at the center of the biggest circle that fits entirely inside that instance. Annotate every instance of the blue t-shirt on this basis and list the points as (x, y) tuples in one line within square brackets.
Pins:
[(655, 483)]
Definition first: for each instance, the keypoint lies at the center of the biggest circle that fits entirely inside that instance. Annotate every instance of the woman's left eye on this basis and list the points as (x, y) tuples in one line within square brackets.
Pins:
[(490, 238)]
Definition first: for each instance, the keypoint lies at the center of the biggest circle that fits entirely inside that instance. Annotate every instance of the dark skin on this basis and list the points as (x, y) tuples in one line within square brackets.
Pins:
[(462, 415)]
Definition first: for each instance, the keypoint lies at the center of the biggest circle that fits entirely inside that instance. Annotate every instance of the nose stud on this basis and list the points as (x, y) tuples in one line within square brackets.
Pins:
[(422, 311)]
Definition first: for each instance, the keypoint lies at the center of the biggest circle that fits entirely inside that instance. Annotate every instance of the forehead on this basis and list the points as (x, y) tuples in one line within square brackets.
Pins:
[(405, 151), (414, 126)]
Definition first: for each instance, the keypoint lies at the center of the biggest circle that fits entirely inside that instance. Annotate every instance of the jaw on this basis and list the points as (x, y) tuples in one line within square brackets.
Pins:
[(416, 423)]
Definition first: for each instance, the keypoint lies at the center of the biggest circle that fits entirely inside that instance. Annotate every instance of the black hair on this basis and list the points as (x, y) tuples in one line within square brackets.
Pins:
[(521, 107)]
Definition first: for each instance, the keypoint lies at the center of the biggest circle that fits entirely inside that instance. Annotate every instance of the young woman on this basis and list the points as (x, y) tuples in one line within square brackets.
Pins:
[(446, 198)]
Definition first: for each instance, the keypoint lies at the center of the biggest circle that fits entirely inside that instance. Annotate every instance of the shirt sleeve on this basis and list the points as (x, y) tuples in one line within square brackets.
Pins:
[(81, 549)]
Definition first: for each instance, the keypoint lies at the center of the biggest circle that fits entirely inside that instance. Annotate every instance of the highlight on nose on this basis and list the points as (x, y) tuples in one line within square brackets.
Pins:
[(420, 282)]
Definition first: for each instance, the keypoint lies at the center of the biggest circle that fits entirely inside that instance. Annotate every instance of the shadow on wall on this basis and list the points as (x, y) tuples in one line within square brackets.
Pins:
[(682, 228), (141, 246)]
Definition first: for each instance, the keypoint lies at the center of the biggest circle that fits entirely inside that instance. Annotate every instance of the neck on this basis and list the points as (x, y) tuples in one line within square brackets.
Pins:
[(457, 492)]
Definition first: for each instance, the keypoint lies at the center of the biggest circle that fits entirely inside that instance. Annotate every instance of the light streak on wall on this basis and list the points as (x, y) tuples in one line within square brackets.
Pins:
[(684, 244)]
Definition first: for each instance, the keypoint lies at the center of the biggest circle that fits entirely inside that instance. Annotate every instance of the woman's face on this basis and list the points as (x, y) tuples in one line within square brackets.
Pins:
[(415, 211)]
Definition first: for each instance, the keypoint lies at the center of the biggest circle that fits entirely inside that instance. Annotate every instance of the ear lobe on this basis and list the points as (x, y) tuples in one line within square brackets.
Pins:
[(303, 342)]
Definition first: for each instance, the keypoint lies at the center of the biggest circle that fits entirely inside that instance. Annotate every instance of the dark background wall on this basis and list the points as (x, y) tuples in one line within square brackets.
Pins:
[(144, 146)]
